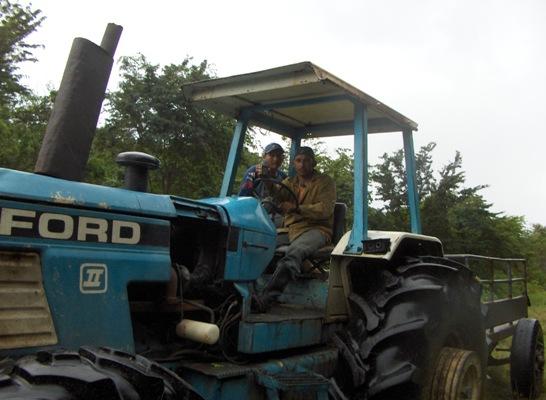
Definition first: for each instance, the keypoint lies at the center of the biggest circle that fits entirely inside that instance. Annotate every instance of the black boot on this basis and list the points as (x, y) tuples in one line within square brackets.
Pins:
[(273, 289)]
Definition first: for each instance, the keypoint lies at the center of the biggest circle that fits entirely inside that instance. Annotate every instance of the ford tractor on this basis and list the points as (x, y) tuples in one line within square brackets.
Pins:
[(119, 293)]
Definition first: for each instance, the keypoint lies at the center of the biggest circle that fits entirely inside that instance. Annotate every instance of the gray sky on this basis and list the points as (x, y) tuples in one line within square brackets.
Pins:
[(472, 74)]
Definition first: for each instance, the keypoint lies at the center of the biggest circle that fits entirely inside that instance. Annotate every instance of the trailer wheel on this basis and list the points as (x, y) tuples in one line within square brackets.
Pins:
[(527, 358), (401, 319), (458, 376), (91, 374)]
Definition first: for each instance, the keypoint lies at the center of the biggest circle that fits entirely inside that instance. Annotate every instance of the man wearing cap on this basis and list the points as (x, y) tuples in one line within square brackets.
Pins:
[(309, 223), (272, 160)]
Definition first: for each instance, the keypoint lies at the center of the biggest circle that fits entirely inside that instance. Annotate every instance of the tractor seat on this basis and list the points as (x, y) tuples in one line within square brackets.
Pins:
[(322, 254)]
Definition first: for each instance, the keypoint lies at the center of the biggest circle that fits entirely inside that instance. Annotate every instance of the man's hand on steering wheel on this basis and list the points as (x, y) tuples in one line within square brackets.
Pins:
[(287, 206), (269, 202)]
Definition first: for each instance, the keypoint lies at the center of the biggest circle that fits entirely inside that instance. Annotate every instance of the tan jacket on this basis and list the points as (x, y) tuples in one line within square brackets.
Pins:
[(316, 205)]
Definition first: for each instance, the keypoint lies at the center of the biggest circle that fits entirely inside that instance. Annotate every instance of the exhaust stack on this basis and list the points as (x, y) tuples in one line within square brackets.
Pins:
[(71, 127)]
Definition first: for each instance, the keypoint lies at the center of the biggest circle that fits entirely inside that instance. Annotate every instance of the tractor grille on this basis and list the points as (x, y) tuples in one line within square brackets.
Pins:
[(25, 318)]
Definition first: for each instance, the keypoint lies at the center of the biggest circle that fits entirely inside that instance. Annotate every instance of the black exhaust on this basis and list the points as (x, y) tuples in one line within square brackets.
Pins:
[(71, 127)]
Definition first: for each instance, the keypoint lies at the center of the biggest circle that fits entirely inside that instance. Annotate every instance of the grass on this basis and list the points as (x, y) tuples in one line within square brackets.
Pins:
[(498, 382)]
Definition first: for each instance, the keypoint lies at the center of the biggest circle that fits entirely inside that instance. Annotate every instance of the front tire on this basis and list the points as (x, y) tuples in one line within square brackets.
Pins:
[(91, 374)]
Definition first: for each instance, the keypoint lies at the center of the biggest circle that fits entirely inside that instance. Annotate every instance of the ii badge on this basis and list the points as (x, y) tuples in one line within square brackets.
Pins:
[(93, 278)]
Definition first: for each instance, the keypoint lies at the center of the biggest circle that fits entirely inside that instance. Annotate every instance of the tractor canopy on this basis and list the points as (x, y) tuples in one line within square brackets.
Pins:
[(303, 101)]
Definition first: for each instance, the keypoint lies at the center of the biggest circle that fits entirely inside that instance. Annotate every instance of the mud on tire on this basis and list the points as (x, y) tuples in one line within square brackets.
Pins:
[(91, 373), (401, 318)]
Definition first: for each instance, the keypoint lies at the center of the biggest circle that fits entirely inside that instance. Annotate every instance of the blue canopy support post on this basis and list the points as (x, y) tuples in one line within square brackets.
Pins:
[(294, 147), (234, 154), (359, 233), (413, 196)]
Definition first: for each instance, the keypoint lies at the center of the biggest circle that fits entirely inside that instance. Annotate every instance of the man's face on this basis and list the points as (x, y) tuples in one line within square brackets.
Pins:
[(274, 159), (304, 165)]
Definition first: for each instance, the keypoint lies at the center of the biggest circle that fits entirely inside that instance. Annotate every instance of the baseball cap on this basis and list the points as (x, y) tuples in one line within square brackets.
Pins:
[(273, 147), (306, 151)]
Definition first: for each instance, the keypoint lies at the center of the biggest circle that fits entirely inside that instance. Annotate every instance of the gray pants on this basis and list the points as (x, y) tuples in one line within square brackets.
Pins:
[(299, 249)]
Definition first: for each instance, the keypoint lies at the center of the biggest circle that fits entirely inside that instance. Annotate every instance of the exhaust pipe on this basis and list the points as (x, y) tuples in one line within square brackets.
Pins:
[(71, 127)]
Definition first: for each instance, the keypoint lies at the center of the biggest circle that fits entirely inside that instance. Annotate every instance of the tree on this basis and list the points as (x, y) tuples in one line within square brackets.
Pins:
[(389, 182), (16, 24), (23, 115), (149, 113), (341, 169), (535, 252), (21, 134)]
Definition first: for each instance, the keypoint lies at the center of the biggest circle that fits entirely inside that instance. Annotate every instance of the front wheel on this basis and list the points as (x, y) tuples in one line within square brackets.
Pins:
[(91, 374), (527, 359)]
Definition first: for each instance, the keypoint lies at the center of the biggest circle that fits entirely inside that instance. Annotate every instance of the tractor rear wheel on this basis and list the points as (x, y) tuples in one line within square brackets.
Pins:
[(401, 318), (458, 376), (527, 359), (91, 374)]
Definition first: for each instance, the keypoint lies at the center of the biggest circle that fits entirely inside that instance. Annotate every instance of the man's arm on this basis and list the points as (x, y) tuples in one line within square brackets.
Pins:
[(247, 185), (323, 207)]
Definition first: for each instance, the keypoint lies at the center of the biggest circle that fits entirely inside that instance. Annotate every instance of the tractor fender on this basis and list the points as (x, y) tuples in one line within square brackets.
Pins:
[(399, 244)]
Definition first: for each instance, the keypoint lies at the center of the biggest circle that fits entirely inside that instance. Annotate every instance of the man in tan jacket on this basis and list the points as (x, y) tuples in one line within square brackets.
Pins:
[(309, 222)]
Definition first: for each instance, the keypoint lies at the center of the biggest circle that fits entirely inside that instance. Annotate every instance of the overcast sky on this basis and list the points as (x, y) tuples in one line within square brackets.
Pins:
[(472, 74)]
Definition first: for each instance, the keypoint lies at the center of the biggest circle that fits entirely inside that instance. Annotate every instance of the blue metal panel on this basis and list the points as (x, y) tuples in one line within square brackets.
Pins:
[(226, 381), (359, 233), (101, 318), (342, 128), (197, 209), (245, 290), (213, 388), (209, 387), (294, 147), (273, 124), (23, 185), (298, 103), (244, 212), (234, 154), (255, 251), (311, 293), (413, 195), (331, 126), (256, 237), (279, 335)]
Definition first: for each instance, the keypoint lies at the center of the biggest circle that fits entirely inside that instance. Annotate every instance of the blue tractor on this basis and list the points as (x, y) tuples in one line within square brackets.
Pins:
[(117, 293)]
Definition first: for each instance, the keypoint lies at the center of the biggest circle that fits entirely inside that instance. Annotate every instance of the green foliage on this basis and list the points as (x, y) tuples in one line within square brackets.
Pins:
[(16, 24), (23, 115), (21, 134), (340, 169), (535, 252), (149, 113), (455, 213), (389, 183)]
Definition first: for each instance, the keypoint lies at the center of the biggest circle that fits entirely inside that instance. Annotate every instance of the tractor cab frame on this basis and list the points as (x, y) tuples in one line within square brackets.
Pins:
[(303, 101)]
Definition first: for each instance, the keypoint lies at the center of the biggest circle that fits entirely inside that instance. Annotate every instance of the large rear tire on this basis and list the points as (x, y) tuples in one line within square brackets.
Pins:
[(401, 318), (91, 374), (527, 359)]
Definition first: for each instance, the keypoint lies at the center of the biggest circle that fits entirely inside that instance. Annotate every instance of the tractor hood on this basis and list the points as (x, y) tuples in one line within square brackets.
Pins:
[(244, 212), (18, 185)]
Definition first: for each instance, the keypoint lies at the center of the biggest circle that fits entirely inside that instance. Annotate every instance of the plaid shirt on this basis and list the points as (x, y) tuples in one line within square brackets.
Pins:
[(248, 184)]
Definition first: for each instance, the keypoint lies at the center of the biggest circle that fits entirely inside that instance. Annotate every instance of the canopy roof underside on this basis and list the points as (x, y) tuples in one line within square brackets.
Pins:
[(295, 100)]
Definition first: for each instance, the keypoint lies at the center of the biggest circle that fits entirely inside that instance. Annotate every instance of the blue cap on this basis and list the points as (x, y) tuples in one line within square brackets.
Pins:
[(273, 147)]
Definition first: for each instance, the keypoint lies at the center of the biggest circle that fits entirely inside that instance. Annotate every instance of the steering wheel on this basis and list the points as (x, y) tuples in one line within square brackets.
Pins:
[(267, 201)]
